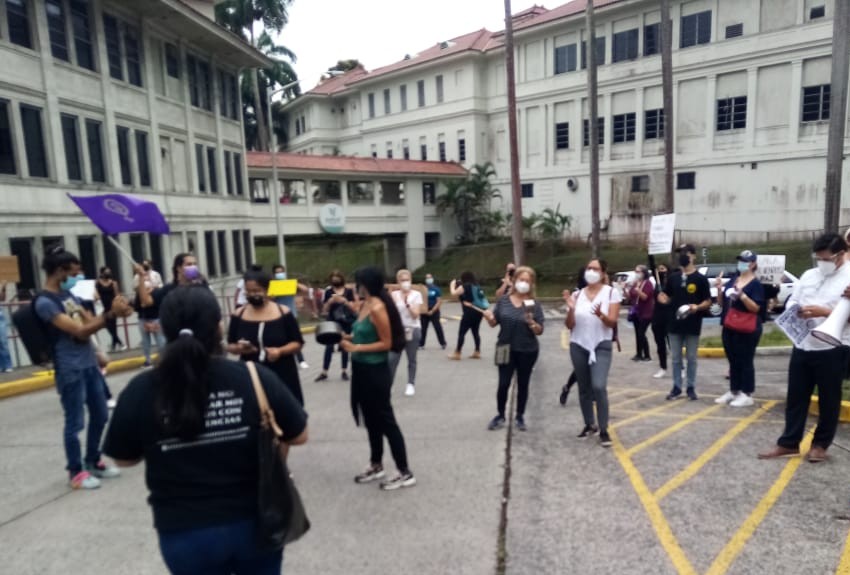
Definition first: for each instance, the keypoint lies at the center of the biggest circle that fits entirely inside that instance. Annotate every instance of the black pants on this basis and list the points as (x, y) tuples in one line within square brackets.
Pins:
[(470, 321), (826, 369), (641, 340), (523, 363), (434, 318), (370, 385), (329, 353), (740, 350), (112, 328), (659, 331)]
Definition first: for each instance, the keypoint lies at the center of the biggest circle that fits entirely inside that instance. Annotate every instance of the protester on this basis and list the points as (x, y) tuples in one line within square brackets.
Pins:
[(149, 328), (688, 293), (77, 373), (592, 314), (5, 357), (266, 332), (642, 295), (339, 305), (408, 301), (662, 315), (184, 271), (107, 290), (147, 275), (507, 282), (813, 362), (279, 272), (432, 315), (239, 298), (194, 420), (377, 331), (471, 318), (572, 379), (743, 303), (520, 319)]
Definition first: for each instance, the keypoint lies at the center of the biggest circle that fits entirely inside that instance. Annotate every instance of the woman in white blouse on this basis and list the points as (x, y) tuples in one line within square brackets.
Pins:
[(409, 304)]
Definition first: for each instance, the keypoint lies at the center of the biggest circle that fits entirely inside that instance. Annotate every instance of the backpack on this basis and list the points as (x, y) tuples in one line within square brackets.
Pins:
[(479, 300), (34, 333)]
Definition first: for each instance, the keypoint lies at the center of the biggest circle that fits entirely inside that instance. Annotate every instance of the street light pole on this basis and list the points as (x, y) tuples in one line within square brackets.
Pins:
[(281, 246)]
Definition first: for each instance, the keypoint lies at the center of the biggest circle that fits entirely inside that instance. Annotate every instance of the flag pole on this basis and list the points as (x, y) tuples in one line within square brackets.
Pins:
[(120, 248)]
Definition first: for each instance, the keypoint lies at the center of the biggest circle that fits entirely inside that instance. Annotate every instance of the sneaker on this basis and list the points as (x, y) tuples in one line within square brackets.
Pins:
[(674, 393), (421, 347), (344, 376), (743, 400), (84, 480), (399, 481), (321, 377), (111, 403), (659, 374), (497, 422), (455, 356), (371, 473), (588, 431), (726, 397), (8, 370), (604, 438), (520, 423), (692, 394), (122, 347), (443, 346), (645, 360), (410, 390), (475, 355), (635, 358), (103, 471), (304, 365)]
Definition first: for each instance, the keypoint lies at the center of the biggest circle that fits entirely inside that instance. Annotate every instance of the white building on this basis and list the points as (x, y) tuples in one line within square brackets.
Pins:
[(751, 101), (119, 95)]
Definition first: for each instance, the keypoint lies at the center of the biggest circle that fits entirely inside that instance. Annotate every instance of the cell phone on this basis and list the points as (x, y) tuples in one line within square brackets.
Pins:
[(511, 273)]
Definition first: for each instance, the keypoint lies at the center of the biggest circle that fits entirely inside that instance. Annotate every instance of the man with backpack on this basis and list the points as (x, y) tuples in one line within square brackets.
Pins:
[(79, 381)]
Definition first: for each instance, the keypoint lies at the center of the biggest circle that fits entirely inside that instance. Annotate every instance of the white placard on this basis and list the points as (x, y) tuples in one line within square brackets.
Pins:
[(796, 328), (661, 231), (771, 269), (84, 289)]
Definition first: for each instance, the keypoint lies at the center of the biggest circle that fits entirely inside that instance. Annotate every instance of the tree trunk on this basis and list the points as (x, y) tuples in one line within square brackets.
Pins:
[(667, 95), (592, 90), (837, 115), (516, 191), (259, 98)]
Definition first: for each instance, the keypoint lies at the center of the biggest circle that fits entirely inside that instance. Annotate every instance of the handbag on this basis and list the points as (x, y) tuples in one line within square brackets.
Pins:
[(281, 517), (740, 321), (633, 314), (503, 354)]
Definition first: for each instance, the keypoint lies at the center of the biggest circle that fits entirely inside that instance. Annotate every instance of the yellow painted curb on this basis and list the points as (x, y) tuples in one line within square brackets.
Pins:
[(843, 416), (714, 352)]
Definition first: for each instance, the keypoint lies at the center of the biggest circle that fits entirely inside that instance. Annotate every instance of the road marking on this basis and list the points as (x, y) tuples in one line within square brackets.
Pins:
[(844, 566), (672, 429), (618, 393), (646, 413), (688, 472), (565, 339), (653, 510), (762, 421), (633, 400), (736, 544)]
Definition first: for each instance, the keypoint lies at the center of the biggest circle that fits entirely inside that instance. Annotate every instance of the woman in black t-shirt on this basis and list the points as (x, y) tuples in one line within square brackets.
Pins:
[(339, 305), (107, 291), (194, 420), (471, 318)]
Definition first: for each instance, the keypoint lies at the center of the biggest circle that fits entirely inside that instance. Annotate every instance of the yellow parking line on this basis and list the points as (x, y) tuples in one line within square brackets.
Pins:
[(688, 472), (736, 544), (762, 421), (649, 412), (844, 566), (653, 511), (565, 339), (672, 429), (634, 399)]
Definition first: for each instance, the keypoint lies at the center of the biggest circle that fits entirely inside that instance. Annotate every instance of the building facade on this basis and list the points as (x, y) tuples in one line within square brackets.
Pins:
[(751, 106)]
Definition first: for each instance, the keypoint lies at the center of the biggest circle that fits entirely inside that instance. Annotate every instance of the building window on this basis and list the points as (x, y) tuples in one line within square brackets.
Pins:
[(18, 18), (442, 147), (143, 158), (81, 26), (248, 245), (600, 122), (461, 149), (817, 12), (600, 52), (228, 172), (137, 247), (440, 89), (731, 113), (654, 124), (389, 153), (124, 154), (113, 46), (7, 150), (562, 136), (652, 39), (222, 253), (420, 92), (402, 93), (211, 166), (527, 190), (686, 181), (696, 29), (34, 141), (734, 31), (202, 175), (816, 103), (205, 85), (640, 183), (237, 172), (70, 138), (387, 107), (209, 247), (371, 98), (429, 193), (133, 53), (234, 97), (236, 236), (94, 140), (624, 128), (172, 61), (565, 59), (192, 73), (406, 151), (55, 10), (625, 46), (423, 152)]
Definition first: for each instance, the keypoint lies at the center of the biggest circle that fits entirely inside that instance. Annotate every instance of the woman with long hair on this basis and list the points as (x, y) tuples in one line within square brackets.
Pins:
[(471, 318), (339, 304), (377, 331), (642, 296), (194, 420), (107, 290)]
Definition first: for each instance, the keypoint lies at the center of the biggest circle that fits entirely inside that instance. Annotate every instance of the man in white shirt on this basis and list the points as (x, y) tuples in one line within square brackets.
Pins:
[(813, 362), (408, 301)]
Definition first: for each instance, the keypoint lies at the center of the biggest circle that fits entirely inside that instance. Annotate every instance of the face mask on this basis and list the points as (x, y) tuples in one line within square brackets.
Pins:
[(405, 286), (280, 276), (592, 276), (191, 272), (256, 300), (523, 287), (743, 266), (146, 267), (826, 268), (336, 282), (429, 281), (684, 260), (106, 276), (69, 283)]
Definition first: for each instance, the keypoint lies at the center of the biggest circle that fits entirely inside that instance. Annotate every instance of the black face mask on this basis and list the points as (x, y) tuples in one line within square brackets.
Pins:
[(106, 276), (662, 277), (256, 300), (684, 260), (337, 283)]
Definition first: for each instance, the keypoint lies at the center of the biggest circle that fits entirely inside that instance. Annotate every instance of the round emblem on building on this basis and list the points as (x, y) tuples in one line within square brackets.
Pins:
[(332, 218)]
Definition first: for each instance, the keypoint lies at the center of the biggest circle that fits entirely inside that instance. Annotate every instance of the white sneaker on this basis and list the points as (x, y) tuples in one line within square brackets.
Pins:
[(726, 397), (410, 390), (111, 403), (659, 374), (103, 471), (8, 370), (743, 400), (84, 480), (304, 365)]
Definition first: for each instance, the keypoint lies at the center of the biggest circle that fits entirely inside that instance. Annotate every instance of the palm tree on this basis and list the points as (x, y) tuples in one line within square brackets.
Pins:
[(469, 201), (553, 224)]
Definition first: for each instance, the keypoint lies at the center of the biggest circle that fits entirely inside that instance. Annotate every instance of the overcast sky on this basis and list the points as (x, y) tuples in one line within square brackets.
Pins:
[(380, 32)]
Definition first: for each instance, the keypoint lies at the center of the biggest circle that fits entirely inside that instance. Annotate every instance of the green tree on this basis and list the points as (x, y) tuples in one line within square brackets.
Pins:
[(552, 224), (469, 201)]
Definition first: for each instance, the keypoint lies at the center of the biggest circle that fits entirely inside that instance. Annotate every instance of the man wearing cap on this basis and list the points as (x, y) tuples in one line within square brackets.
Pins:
[(689, 294)]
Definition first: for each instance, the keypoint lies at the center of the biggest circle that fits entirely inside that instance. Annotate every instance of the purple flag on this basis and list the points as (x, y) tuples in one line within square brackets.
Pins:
[(119, 213)]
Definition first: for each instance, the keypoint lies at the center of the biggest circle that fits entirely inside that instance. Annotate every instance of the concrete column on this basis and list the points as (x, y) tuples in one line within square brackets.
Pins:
[(50, 117), (415, 244), (343, 194), (752, 99), (112, 162), (607, 103), (795, 95), (151, 52), (710, 112), (377, 187), (639, 122), (715, 33), (308, 190), (219, 139), (190, 135)]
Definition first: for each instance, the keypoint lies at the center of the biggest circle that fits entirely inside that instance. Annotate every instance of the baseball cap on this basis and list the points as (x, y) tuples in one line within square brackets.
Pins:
[(687, 248), (747, 256)]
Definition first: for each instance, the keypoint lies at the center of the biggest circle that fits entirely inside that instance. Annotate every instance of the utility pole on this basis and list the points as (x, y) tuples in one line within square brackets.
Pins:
[(516, 192), (590, 57), (667, 96), (837, 114)]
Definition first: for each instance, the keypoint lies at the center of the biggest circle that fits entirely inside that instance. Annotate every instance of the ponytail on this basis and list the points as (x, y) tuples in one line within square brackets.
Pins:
[(399, 341)]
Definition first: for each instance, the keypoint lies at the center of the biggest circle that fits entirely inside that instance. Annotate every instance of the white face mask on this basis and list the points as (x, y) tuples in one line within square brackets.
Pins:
[(826, 268), (522, 287), (405, 286), (592, 276), (429, 281)]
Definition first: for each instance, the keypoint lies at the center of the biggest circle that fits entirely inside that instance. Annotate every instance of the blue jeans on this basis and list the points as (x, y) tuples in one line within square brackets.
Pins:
[(5, 358), (150, 338), (229, 549), (79, 388), (690, 343)]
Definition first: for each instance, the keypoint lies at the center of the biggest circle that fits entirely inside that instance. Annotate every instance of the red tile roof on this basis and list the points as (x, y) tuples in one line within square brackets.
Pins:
[(308, 163)]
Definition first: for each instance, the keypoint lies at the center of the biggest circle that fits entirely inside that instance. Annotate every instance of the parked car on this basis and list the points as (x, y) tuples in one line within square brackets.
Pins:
[(786, 288), (712, 270)]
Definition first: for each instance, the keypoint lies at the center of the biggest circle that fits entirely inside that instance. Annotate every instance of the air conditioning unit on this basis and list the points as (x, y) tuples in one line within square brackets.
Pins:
[(572, 184)]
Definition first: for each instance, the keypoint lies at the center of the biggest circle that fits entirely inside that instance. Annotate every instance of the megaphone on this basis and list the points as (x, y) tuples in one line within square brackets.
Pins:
[(831, 330)]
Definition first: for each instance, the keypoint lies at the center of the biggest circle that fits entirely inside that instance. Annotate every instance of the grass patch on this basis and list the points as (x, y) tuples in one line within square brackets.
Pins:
[(313, 260), (772, 337)]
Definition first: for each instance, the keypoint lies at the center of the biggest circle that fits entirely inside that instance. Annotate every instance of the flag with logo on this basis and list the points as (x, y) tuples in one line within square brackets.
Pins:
[(120, 213)]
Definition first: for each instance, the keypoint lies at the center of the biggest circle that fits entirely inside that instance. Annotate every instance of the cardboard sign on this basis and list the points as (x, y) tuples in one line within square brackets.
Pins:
[(661, 231), (281, 288), (9, 269), (770, 269)]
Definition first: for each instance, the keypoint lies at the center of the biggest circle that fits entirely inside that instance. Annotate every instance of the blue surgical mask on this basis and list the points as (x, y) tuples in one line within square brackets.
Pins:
[(69, 283), (743, 266), (429, 281), (280, 276)]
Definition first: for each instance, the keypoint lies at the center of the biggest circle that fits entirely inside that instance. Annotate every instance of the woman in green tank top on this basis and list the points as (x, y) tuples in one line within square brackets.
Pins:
[(378, 325)]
